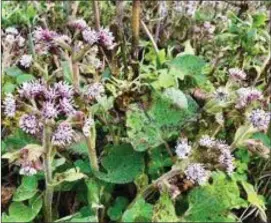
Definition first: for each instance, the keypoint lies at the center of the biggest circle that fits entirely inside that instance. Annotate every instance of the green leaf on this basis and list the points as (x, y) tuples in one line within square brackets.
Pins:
[(18, 140), (19, 212), (164, 210), (255, 199), (177, 97), (83, 165), (139, 212), (263, 137), (104, 104), (116, 210), (24, 78), (93, 195), (188, 65), (9, 87), (70, 175), (79, 148), (66, 71), (243, 133), (213, 202), (159, 160), (34, 151), (259, 19), (165, 80), (84, 215), (149, 128), (188, 49), (106, 74), (13, 71), (122, 164), (27, 189)]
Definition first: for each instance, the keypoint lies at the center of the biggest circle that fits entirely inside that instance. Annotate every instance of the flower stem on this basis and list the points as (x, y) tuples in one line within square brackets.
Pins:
[(75, 76), (96, 11), (49, 192), (91, 144)]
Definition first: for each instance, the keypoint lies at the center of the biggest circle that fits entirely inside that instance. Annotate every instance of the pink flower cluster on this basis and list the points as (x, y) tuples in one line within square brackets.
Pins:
[(12, 37), (196, 173), (94, 91), (237, 74), (246, 96), (48, 102), (47, 40), (9, 105), (63, 135), (226, 159), (183, 149), (29, 161), (260, 119), (90, 36)]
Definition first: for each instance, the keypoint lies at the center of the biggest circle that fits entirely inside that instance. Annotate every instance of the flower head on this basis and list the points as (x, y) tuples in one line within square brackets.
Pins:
[(30, 124), (63, 89), (66, 106), (207, 141), (221, 145), (106, 38), (237, 74), (9, 105), (44, 35), (21, 41), (63, 38), (10, 39), (183, 149), (196, 173), (163, 11), (26, 60), (32, 89), (49, 110), (78, 24), (191, 7), (28, 170), (227, 160), (63, 135), (87, 125), (90, 36), (209, 27), (12, 30), (260, 119), (221, 94), (95, 91), (49, 93), (246, 96)]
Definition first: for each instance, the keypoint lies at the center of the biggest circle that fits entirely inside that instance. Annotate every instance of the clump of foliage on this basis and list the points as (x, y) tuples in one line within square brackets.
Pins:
[(140, 111)]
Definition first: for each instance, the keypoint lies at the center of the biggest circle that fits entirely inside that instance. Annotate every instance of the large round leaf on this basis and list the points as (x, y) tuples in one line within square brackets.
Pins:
[(122, 164)]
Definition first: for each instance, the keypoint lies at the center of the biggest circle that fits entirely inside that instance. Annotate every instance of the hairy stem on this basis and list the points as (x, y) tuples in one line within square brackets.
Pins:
[(75, 75), (96, 11), (91, 144), (49, 192)]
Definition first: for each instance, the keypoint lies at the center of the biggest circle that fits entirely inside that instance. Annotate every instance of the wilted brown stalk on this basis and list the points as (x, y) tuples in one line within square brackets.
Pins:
[(120, 33), (135, 32)]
